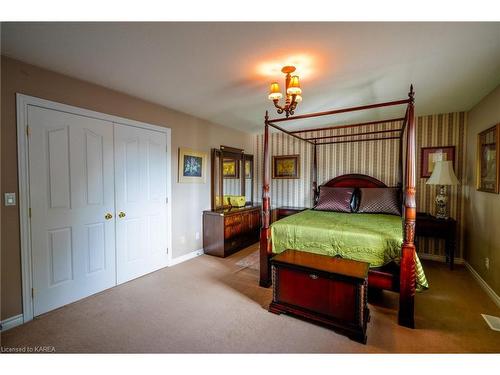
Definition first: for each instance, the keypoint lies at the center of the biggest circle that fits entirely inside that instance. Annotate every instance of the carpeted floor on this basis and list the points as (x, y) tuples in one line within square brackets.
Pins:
[(215, 305)]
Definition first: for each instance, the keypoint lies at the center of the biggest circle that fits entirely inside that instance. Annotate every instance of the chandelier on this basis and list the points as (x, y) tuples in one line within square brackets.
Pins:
[(292, 92)]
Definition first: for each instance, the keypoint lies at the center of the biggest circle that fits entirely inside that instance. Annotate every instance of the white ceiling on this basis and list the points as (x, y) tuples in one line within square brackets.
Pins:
[(221, 71)]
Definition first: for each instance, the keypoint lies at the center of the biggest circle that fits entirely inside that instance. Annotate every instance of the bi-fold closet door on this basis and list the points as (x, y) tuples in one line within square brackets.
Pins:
[(98, 205)]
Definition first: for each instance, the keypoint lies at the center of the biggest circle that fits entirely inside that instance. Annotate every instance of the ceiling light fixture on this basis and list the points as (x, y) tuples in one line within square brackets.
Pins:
[(292, 91)]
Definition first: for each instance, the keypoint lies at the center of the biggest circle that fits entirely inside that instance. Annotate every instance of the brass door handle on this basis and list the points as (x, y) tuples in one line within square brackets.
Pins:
[(121, 215), (108, 216)]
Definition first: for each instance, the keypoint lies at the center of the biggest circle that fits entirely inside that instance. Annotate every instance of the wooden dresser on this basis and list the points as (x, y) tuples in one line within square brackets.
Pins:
[(229, 230)]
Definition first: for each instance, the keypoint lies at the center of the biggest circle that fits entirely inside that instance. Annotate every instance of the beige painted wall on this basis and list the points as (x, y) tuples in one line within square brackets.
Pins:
[(188, 200), (482, 234)]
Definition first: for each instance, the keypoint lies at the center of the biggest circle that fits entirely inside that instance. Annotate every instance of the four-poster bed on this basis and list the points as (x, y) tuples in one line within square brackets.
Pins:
[(400, 278)]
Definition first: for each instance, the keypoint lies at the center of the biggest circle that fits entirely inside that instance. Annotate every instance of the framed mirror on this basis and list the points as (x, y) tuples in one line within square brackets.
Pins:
[(249, 172), (232, 178)]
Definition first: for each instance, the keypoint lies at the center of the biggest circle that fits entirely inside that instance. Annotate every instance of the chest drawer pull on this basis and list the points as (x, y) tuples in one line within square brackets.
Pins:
[(313, 276)]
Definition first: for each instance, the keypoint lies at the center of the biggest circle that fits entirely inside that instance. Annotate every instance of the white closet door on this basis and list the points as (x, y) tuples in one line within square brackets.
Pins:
[(71, 191), (140, 196)]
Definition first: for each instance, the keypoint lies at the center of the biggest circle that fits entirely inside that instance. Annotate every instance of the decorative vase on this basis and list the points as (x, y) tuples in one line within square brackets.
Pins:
[(442, 203)]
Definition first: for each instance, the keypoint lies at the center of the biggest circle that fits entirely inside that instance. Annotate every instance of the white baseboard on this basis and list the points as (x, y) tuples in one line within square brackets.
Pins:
[(439, 258), (186, 257), (484, 284), (12, 322)]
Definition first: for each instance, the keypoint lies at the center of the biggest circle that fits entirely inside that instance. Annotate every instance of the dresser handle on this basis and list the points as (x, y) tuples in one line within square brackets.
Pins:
[(313, 276)]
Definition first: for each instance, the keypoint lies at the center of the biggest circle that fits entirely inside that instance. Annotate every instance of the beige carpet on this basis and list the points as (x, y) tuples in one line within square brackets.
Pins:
[(210, 304)]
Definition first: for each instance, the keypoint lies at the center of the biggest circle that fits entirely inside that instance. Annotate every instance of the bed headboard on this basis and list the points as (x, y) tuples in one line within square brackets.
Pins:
[(354, 180)]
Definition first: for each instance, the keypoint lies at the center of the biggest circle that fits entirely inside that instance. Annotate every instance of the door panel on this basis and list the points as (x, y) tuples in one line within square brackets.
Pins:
[(96, 246), (140, 188), (61, 256), (156, 167), (131, 170), (94, 152), (71, 190), (58, 168), (133, 237), (155, 223)]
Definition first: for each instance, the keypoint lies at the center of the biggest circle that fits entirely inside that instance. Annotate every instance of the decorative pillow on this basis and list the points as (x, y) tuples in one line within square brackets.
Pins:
[(355, 200), (225, 201), (237, 200), (380, 201), (334, 199)]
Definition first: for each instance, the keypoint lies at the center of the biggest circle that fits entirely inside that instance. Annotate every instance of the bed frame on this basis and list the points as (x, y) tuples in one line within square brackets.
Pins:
[(391, 277)]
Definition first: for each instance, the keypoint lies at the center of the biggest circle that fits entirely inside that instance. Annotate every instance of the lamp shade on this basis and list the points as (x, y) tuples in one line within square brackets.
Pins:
[(294, 86), (443, 174), (274, 91)]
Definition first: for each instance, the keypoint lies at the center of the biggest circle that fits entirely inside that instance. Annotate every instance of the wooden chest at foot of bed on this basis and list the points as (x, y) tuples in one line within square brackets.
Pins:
[(322, 289)]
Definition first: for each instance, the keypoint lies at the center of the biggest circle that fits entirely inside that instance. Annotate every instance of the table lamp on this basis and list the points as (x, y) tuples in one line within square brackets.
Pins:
[(443, 176)]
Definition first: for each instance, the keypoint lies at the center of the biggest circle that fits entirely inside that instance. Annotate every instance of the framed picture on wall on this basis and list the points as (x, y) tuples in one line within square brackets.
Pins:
[(286, 166), (488, 165), (192, 166), (430, 155), (248, 169), (230, 168)]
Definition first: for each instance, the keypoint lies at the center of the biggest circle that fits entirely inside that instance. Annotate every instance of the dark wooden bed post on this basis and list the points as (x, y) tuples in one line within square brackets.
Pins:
[(407, 274), (315, 174), (400, 157), (265, 250)]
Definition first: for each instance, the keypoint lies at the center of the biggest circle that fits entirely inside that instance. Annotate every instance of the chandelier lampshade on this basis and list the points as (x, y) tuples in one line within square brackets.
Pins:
[(294, 86), (275, 92)]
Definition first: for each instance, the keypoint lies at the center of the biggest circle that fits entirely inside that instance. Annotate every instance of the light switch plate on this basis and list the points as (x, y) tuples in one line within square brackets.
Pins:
[(10, 199)]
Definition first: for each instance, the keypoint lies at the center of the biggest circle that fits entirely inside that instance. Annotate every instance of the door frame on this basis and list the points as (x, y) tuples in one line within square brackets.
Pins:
[(22, 104)]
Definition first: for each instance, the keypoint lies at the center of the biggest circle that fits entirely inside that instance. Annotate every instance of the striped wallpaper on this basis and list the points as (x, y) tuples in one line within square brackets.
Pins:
[(232, 186), (378, 159)]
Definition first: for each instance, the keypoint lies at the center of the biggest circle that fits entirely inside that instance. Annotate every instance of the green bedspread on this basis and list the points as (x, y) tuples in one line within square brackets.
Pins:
[(372, 238)]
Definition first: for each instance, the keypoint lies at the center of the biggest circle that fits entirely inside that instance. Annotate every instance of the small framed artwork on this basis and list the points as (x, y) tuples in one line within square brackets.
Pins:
[(286, 166), (430, 155), (248, 169), (488, 166), (192, 166), (230, 168)]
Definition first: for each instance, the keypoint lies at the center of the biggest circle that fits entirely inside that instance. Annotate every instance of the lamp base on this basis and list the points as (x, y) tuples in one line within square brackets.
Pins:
[(442, 203)]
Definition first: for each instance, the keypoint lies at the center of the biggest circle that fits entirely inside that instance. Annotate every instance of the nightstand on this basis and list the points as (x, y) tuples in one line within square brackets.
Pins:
[(430, 226), (284, 211)]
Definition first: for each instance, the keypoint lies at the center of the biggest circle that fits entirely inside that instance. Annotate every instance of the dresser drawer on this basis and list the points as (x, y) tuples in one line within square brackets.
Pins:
[(232, 220), (232, 244)]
